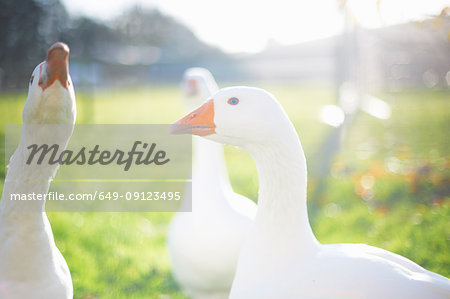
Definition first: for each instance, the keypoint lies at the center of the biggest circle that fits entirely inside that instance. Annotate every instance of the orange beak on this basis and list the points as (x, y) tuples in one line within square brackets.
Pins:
[(57, 66), (198, 122)]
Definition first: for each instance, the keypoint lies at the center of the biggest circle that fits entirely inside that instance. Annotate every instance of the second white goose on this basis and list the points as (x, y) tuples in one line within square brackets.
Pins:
[(204, 245), (31, 265), (282, 258)]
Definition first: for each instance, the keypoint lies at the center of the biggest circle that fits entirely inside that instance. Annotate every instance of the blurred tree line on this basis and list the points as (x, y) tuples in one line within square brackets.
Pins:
[(29, 27)]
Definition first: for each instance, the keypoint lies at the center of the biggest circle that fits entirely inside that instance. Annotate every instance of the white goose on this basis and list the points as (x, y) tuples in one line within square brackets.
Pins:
[(282, 258), (204, 245), (30, 264)]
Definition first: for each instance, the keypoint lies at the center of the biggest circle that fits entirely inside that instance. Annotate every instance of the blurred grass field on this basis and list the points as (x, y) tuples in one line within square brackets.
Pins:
[(388, 187)]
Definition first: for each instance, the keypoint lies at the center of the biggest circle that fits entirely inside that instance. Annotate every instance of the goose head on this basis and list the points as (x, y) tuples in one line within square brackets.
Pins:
[(197, 85), (237, 116), (51, 97)]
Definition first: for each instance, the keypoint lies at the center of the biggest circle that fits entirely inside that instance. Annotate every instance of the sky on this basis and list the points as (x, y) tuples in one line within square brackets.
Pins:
[(248, 25)]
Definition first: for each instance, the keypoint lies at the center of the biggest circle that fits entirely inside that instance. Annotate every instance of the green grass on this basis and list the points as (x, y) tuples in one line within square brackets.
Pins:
[(407, 160), (123, 255)]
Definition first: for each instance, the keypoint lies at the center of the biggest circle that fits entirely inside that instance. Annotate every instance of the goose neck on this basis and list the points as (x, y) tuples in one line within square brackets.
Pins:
[(282, 211), (209, 164), (24, 181)]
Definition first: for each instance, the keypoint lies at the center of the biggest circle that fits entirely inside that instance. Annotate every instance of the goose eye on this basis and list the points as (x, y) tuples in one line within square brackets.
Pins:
[(31, 79), (233, 101)]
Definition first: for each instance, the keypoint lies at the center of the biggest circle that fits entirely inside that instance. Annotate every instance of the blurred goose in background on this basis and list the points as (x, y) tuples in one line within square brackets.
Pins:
[(31, 265), (281, 257), (204, 245)]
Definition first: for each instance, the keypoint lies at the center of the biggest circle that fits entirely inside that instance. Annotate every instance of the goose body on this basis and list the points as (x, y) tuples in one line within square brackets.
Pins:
[(204, 244), (31, 265), (281, 257)]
